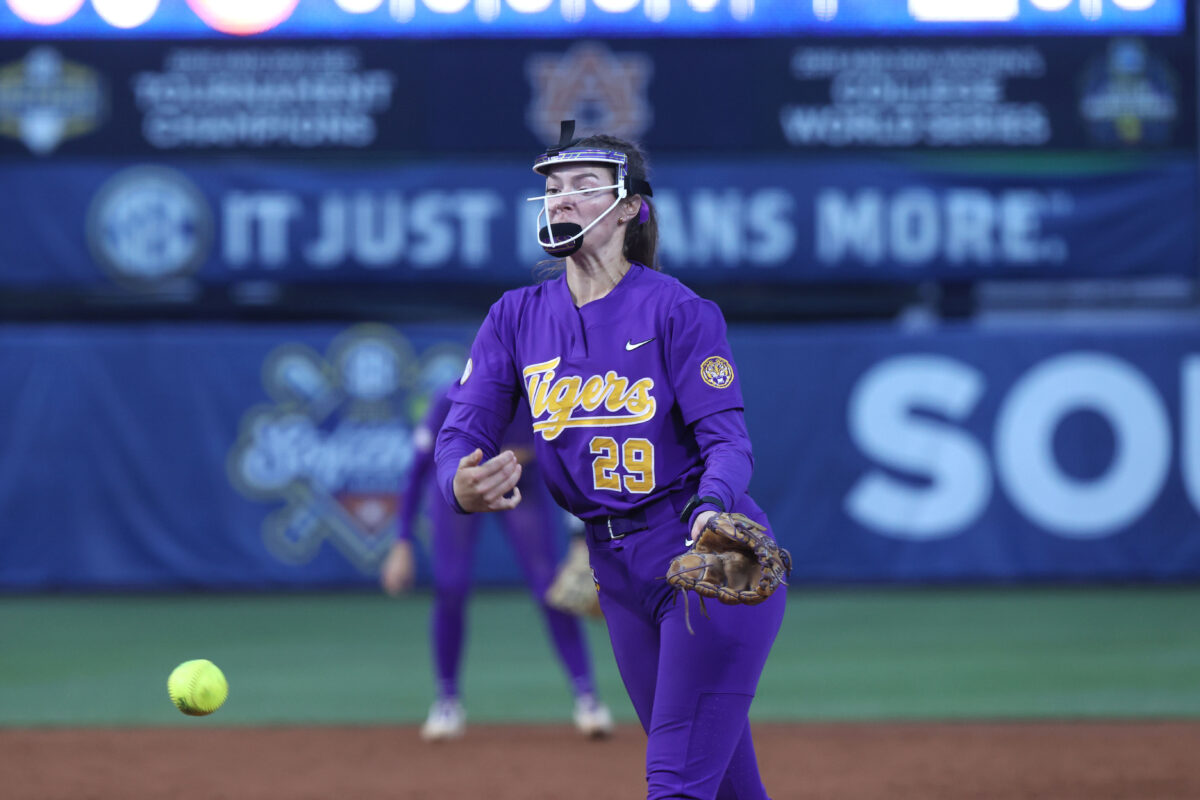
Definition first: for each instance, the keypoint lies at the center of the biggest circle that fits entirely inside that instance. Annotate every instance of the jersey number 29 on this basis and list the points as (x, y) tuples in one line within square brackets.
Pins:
[(633, 457)]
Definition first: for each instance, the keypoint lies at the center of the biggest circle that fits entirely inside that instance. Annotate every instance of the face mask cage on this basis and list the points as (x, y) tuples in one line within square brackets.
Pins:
[(562, 239)]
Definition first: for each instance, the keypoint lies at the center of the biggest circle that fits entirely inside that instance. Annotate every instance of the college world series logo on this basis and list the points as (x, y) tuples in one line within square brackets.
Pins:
[(45, 99), (335, 445)]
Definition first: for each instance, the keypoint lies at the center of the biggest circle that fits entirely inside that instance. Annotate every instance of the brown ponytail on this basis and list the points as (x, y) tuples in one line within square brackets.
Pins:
[(641, 238)]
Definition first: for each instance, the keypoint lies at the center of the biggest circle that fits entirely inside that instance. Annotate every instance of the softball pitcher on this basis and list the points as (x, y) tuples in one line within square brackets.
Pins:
[(639, 431), (534, 531)]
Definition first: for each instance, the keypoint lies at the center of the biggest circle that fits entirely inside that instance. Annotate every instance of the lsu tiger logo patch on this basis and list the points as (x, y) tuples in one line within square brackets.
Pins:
[(717, 372)]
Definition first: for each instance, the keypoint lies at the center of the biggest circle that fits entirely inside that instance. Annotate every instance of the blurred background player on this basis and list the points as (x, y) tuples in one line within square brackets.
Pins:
[(534, 530)]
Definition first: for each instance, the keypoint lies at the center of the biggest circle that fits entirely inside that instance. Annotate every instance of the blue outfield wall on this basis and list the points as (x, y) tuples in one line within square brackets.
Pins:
[(160, 456)]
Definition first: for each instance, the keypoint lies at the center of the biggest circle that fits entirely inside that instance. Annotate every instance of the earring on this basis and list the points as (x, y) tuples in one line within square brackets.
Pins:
[(620, 220)]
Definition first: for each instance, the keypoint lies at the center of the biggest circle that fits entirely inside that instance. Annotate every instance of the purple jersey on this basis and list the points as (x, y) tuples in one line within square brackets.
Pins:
[(612, 387), (635, 405)]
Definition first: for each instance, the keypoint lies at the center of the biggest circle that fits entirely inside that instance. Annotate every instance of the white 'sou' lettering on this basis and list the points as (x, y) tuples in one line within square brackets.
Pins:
[(958, 479)]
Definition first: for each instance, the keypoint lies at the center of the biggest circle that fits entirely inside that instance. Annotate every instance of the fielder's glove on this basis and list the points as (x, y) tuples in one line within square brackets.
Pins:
[(574, 589), (734, 560)]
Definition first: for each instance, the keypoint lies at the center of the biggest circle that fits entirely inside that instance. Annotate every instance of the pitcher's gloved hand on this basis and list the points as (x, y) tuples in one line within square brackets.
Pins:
[(733, 560)]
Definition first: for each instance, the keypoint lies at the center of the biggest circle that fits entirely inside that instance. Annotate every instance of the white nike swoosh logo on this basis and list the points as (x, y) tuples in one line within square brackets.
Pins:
[(631, 346)]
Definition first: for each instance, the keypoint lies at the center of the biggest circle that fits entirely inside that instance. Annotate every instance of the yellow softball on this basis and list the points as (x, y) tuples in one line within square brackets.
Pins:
[(197, 687)]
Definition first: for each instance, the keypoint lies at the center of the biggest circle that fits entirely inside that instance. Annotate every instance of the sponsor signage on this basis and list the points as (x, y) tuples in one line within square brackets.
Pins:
[(896, 220)]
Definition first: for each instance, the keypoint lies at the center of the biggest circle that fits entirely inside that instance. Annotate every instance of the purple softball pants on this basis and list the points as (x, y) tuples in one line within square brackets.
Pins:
[(692, 692)]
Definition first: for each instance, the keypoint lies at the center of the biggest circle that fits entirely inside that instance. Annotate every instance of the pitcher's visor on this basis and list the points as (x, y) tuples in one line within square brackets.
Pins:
[(563, 239)]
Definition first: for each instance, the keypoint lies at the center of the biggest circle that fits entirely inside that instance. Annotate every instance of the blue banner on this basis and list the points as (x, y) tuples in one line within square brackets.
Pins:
[(171, 228), (461, 18), (165, 456), (197, 456), (1018, 452)]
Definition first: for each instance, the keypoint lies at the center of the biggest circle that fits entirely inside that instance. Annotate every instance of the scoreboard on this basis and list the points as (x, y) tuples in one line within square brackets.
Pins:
[(198, 19)]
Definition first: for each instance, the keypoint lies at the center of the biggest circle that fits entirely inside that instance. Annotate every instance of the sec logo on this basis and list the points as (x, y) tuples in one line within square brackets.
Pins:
[(149, 226)]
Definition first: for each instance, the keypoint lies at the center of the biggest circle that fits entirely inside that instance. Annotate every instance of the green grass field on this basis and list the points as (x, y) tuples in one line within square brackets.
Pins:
[(850, 654)]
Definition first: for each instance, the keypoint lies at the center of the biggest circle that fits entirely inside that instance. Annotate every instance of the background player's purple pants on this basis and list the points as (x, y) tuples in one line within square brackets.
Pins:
[(692, 693), (533, 529)]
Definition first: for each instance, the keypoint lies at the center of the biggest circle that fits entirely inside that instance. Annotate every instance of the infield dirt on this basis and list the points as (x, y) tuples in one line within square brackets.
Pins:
[(1133, 760)]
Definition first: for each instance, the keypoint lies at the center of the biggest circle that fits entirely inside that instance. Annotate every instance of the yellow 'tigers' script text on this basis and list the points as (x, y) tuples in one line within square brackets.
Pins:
[(630, 403)]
